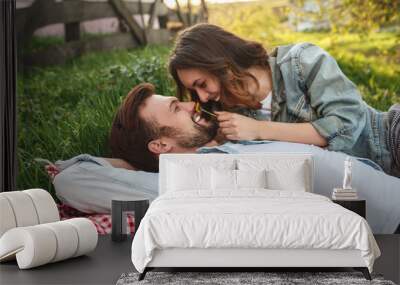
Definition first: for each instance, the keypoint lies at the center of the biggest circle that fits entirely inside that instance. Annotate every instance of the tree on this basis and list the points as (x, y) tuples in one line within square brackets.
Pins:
[(352, 15), (365, 15)]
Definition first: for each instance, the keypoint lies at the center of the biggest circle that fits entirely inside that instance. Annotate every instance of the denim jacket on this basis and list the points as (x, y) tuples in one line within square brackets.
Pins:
[(308, 86)]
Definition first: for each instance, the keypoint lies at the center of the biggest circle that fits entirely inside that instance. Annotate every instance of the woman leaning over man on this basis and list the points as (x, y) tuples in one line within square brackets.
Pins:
[(299, 89)]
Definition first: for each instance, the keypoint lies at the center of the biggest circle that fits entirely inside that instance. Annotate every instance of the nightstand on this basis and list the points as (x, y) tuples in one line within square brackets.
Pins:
[(119, 209), (357, 206)]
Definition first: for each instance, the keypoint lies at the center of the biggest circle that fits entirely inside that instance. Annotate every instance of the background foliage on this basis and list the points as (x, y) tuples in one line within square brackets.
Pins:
[(67, 110)]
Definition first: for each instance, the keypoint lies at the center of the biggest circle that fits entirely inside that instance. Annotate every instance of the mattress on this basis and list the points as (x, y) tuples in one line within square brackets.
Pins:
[(250, 219)]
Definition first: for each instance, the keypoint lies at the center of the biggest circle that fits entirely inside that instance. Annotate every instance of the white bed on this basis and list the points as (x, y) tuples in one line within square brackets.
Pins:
[(219, 210)]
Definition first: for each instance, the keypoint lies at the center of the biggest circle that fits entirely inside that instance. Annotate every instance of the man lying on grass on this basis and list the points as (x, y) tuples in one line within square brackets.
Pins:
[(147, 125)]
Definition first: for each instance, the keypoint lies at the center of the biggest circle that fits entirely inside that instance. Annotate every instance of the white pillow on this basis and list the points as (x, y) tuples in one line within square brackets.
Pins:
[(188, 177), (284, 173), (223, 179), (226, 179), (292, 178), (251, 178)]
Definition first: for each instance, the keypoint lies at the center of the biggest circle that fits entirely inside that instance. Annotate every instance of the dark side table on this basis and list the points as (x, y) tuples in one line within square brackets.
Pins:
[(356, 206), (119, 211)]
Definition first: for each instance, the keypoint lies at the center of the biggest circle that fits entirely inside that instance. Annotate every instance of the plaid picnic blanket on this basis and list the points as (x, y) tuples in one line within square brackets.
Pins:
[(102, 222)]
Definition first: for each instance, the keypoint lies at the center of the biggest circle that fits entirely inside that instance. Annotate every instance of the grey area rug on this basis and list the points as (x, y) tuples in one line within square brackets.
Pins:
[(268, 278)]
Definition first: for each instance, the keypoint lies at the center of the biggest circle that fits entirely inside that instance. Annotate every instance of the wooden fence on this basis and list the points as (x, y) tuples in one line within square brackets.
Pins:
[(72, 12)]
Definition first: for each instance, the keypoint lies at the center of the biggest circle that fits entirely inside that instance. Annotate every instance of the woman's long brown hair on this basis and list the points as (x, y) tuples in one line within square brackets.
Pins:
[(222, 54)]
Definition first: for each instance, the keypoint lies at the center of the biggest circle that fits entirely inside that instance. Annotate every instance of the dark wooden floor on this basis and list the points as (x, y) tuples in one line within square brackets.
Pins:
[(102, 266), (110, 260), (389, 262)]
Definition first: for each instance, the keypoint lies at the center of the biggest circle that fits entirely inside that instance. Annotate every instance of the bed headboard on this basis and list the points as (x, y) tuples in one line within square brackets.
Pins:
[(285, 169)]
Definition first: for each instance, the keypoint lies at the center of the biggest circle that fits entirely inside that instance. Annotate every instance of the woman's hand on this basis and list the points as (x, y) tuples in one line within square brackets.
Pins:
[(237, 127)]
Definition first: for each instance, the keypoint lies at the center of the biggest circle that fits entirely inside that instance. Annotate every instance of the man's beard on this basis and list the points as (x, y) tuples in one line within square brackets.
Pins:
[(200, 135)]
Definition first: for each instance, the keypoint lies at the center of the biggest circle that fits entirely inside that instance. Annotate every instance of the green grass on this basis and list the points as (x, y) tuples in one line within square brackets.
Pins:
[(67, 110), (372, 62), (40, 43)]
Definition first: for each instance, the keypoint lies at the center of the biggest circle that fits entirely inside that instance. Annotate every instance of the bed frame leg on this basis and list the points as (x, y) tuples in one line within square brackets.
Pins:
[(143, 274), (364, 271)]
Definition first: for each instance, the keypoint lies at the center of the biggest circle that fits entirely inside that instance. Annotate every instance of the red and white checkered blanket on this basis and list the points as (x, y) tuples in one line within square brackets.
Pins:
[(102, 222)]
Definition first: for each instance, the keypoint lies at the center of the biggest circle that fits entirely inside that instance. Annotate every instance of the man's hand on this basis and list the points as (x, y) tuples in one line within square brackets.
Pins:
[(52, 171), (237, 127)]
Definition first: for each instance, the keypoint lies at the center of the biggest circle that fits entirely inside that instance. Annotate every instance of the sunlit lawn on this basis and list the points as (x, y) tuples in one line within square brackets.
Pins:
[(67, 110)]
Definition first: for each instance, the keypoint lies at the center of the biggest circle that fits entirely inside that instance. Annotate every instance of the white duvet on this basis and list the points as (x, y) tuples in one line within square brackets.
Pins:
[(250, 219)]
